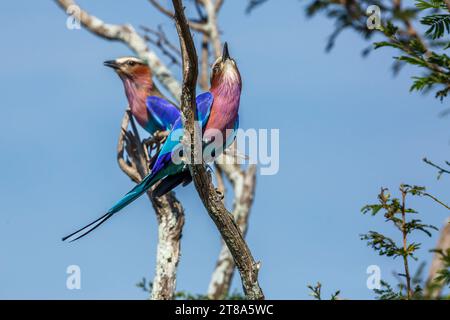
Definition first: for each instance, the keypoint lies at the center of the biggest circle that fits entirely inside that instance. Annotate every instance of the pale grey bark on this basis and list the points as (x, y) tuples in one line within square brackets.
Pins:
[(169, 211), (128, 35), (244, 183)]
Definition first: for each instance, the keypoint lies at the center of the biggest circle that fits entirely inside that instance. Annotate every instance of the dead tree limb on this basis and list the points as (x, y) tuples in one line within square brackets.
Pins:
[(198, 26), (223, 272), (243, 181), (127, 35), (134, 163), (159, 39), (169, 212), (248, 268)]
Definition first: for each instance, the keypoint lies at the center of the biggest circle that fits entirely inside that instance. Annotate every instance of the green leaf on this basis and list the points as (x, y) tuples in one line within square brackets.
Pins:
[(433, 4), (413, 60), (439, 24), (381, 44), (389, 30)]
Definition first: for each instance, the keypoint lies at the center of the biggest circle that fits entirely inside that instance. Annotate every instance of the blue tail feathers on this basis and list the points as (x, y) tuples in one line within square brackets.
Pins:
[(132, 195)]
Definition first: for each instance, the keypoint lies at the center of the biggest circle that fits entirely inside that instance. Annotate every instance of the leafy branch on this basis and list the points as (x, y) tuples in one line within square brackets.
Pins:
[(396, 212), (316, 292), (420, 49)]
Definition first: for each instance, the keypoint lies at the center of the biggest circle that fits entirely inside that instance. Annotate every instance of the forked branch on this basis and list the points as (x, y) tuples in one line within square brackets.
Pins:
[(169, 211)]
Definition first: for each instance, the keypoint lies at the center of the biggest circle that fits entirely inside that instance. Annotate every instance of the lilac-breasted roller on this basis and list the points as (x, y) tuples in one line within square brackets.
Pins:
[(217, 111), (151, 111)]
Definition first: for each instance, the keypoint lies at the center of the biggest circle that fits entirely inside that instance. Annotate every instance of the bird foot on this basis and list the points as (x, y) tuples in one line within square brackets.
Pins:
[(209, 168), (220, 194)]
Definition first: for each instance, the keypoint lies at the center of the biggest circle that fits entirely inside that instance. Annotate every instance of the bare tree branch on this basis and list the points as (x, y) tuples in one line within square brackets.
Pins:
[(218, 5), (252, 4), (436, 200), (194, 25), (248, 268), (211, 26), (244, 183), (441, 170), (220, 182), (223, 273), (161, 8), (204, 66), (159, 39), (129, 168), (134, 41), (208, 28), (127, 35), (170, 215), (169, 212), (198, 7)]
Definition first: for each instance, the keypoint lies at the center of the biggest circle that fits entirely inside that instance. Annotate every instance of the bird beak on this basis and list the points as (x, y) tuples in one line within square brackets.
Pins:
[(111, 63), (225, 53)]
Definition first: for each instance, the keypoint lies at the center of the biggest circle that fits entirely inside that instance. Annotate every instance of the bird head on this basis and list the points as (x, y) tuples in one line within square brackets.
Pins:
[(129, 67), (225, 70)]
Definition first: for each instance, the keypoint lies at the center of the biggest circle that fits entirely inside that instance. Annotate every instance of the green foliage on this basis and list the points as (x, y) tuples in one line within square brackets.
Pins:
[(386, 292), (444, 274), (316, 292), (398, 26), (433, 4), (382, 44), (389, 29), (396, 213), (439, 24), (435, 63), (145, 285), (183, 295)]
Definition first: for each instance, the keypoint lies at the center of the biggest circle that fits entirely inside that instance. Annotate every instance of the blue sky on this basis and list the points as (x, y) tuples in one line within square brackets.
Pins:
[(347, 127)]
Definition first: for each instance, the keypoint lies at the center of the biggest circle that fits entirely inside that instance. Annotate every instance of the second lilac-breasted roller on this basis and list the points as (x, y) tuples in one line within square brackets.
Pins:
[(151, 111), (217, 111)]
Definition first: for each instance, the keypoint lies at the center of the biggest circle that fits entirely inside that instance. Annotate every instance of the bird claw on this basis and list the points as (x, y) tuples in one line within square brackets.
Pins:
[(208, 168), (147, 141), (220, 194)]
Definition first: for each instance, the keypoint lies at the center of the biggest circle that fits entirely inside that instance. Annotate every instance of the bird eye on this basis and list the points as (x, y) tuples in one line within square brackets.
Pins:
[(131, 63)]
